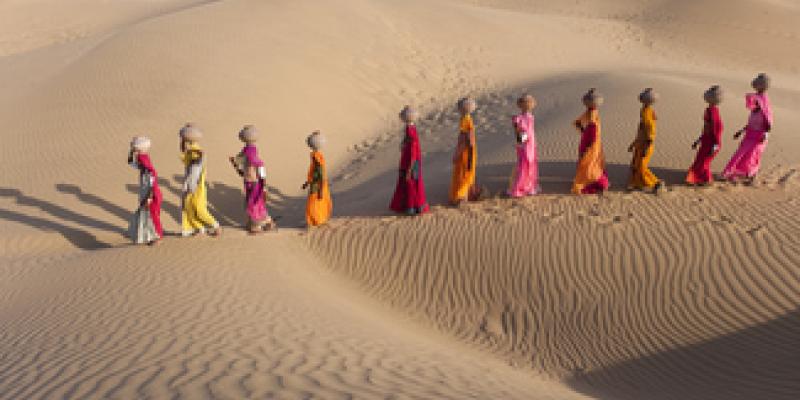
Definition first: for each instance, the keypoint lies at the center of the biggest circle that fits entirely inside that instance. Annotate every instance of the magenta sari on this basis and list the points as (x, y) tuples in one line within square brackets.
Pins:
[(746, 162), (525, 180), (255, 200), (409, 194), (155, 205)]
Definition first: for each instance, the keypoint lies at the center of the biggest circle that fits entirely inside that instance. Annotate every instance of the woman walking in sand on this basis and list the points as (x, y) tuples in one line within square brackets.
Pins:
[(409, 195), (250, 167), (195, 216), (746, 162), (145, 225), (525, 178), (591, 176), (466, 155), (642, 147), (318, 204), (709, 142)]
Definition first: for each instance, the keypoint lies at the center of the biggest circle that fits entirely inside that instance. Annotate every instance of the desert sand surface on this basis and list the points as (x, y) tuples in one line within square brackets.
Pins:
[(690, 294)]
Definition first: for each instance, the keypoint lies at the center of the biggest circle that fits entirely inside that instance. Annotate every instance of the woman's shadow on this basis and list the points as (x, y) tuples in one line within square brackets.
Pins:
[(79, 238)]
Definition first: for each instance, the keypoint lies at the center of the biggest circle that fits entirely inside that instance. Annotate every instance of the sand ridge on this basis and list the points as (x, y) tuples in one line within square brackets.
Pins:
[(692, 294)]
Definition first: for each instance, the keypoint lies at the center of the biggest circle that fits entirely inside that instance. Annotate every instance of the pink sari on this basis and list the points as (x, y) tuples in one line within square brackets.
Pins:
[(255, 200), (409, 195), (525, 180), (746, 162)]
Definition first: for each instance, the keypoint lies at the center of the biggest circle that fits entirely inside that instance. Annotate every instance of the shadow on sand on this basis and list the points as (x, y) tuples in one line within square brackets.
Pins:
[(60, 212), (226, 202), (371, 198), (759, 362)]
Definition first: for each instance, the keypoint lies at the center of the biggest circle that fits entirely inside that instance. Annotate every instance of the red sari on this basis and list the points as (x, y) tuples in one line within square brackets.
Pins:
[(700, 171), (155, 205), (409, 195)]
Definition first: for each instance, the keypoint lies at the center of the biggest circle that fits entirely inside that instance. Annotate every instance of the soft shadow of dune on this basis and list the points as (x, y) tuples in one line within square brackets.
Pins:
[(760, 362)]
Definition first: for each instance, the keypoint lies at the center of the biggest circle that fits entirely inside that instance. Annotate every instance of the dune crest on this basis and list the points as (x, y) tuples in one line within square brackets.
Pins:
[(690, 294)]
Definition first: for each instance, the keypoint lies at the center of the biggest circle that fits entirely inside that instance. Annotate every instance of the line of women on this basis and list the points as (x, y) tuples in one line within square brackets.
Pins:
[(145, 225), (409, 196), (590, 176)]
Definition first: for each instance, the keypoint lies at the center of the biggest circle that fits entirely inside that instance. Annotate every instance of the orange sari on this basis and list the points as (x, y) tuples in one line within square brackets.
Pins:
[(463, 162), (641, 175), (319, 205), (590, 176)]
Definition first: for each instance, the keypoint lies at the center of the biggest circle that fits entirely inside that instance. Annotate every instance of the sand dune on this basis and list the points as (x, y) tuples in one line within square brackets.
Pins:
[(691, 294), (620, 296)]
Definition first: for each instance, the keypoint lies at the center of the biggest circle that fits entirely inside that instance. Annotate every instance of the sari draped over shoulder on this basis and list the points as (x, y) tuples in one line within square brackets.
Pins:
[(195, 216), (464, 162), (254, 186), (409, 195), (525, 177), (145, 225), (746, 162), (319, 205), (710, 143), (643, 146), (591, 176)]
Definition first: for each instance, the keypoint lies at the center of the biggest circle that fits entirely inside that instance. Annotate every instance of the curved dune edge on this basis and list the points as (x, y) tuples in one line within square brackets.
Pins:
[(579, 314), (691, 294), (268, 322)]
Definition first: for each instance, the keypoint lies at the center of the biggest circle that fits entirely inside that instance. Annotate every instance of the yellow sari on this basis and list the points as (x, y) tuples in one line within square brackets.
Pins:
[(195, 215), (319, 205), (464, 162), (642, 146)]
